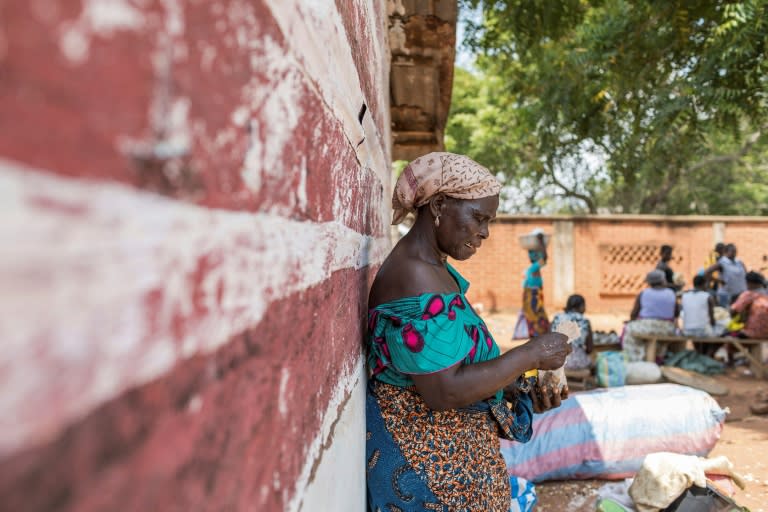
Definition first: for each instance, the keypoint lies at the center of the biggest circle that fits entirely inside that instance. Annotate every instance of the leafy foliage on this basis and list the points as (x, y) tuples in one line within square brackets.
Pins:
[(638, 106)]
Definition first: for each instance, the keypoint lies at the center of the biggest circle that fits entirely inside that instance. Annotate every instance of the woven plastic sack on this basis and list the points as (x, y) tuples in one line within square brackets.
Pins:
[(642, 372), (610, 369), (606, 433)]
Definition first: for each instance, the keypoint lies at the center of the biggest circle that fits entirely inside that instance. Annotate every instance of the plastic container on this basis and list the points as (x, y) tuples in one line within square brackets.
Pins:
[(530, 241)]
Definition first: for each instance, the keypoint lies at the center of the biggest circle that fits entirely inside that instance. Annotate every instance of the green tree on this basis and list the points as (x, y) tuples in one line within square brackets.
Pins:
[(639, 106)]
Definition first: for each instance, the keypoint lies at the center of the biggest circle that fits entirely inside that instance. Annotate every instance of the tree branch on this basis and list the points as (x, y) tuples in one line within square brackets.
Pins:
[(733, 157), (672, 179), (568, 192)]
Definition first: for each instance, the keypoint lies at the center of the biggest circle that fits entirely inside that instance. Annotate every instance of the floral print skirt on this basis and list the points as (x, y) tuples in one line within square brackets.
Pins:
[(633, 347), (421, 459)]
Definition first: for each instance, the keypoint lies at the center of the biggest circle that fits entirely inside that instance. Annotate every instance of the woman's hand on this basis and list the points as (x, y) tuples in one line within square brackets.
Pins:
[(551, 349), (547, 397)]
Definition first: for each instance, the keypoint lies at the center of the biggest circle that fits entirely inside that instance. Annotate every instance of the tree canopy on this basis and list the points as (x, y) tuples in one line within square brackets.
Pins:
[(641, 106)]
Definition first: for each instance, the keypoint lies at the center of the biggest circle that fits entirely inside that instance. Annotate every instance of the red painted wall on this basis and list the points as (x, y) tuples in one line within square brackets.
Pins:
[(193, 205)]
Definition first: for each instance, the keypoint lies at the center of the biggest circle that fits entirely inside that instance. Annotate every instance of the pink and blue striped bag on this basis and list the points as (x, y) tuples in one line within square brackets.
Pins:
[(606, 433)]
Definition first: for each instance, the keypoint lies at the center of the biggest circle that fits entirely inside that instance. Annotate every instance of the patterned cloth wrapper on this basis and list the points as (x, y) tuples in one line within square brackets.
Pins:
[(453, 175), (533, 315), (446, 458), (523, 495)]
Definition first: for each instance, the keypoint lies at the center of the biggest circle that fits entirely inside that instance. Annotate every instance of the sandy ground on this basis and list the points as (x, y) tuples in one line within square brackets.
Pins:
[(744, 439)]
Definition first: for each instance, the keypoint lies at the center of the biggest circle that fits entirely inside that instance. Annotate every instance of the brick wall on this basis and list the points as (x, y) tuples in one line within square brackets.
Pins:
[(192, 199), (496, 271)]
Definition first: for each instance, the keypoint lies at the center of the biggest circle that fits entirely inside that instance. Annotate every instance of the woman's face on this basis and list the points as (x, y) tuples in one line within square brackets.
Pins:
[(464, 225)]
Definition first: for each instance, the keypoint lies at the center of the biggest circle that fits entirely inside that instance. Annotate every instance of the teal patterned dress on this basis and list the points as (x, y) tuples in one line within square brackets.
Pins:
[(418, 458)]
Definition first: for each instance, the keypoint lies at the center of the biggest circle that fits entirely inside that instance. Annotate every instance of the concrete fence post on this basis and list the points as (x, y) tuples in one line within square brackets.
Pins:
[(562, 259)]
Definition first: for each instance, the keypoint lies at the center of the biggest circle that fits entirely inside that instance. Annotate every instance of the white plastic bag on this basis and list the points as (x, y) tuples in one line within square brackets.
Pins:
[(642, 372)]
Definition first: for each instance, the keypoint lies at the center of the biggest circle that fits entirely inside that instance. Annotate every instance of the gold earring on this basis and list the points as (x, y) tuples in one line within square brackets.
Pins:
[(437, 221)]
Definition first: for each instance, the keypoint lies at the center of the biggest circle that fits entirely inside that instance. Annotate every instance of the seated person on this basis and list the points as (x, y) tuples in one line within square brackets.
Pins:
[(698, 308), (582, 346), (752, 306), (655, 312)]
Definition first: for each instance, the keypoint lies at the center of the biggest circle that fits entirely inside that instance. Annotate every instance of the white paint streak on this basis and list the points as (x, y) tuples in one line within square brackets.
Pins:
[(100, 278), (282, 394), (105, 17), (279, 108), (339, 479), (195, 404), (301, 190), (98, 17), (171, 131), (174, 18), (240, 116)]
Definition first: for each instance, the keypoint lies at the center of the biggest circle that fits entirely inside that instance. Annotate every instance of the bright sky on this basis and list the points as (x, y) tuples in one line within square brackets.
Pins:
[(464, 59)]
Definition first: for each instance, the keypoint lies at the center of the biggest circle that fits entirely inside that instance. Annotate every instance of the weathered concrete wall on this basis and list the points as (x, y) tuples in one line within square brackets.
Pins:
[(603, 258), (192, 196)]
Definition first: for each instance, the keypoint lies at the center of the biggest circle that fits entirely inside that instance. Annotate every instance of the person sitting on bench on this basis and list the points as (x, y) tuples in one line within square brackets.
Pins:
[(575, 307), (698, 307), (654, 312), (752, 305)]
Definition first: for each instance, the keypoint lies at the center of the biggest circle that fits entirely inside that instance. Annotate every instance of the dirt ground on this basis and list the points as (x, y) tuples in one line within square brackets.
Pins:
[(744, 439)]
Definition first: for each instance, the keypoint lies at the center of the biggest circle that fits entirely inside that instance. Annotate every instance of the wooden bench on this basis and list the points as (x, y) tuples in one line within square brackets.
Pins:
[(747, 346)]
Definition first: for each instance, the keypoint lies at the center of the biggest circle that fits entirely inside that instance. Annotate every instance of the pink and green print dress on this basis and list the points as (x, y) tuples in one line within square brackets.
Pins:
[(418, 458)]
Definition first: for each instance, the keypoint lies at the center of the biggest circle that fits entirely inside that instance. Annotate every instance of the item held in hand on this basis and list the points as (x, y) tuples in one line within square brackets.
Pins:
[(556, 378)]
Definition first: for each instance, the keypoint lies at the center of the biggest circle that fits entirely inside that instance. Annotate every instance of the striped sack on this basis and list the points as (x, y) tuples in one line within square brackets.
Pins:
[(606, 433)]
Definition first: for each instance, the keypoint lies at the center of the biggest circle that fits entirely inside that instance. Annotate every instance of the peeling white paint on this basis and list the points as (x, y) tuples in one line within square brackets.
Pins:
[(98, 17), (325, 65), (174, 17), (117, 248), (313, 29), (195, 404), (279, 108), (105, 17), (170, 128), (301, 189), (240, 116), (282, 394), (73, 43)]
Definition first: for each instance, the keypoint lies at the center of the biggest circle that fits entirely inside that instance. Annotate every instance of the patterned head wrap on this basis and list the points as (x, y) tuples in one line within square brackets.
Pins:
[(454, 175)]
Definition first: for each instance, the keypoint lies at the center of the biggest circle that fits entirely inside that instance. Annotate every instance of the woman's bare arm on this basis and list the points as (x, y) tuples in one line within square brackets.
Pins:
[(461, 385)]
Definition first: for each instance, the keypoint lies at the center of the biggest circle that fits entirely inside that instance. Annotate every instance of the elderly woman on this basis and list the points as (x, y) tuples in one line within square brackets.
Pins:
[(654, 312), (438, 390)]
